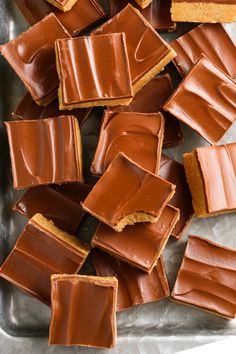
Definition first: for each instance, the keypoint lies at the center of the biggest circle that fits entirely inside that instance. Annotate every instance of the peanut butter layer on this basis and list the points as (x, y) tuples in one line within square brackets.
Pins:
[(134, 286), (32, 56), (138, 135), (83, 311), (157, 13), (173, 172), (209, 39), (41, 250), (211, 176), (205, 101), (83, 14), (45, 151), (93, 71), (140, 245), (206, 278), (204, 10), (27, 109), (143, 3), (148, 52), (127, 194), (63, 5), (151, 100)]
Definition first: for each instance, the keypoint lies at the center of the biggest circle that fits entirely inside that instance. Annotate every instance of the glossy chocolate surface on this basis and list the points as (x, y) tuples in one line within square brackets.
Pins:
[(32, 56), (218, 166), (151, 100), (138, 135), (209, 39), (140, 245), (145, 47), (83, 311), (44, 151), (173, 172), (93, 69), (55, 204), (157, 13), (83, 14), (206, 278), (205, 101), (37, 254), (133, 190), (27, 109), (209, 1), (134, 286)]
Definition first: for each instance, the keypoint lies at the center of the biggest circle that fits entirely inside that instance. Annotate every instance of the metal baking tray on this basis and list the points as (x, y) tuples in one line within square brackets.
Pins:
[(160, 327)]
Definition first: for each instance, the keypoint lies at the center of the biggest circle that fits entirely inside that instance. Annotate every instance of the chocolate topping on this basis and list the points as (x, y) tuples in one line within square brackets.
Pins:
[(157, 13), (83, 311), (53, 157), (83, 14), (173, 172), (138, 135), (205, 101), (140, 245), (209, 39), (32, 56), (206, 278), (209, 1), (40, 251), (134, 286)]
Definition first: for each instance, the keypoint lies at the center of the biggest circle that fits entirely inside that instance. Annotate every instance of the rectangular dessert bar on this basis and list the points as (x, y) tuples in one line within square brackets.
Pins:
[(63, 5), (138, 135), (32, 56), (82, 15), (45, 151), (148, 52), (140, 245), (83, 311), (205, 101), (134, 286), (211, 176), (206, 278), (93, 71), (204, 10), (41, 250), (127, 194)]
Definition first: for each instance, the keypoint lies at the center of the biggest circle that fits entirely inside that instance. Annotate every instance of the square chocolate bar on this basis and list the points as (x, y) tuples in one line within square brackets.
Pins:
[(41, 250), (127, 194), (93, 71), (138, 135), (45, 151), (205, 101), (63, 5), (83, 311), (32, 56), (206, 278)]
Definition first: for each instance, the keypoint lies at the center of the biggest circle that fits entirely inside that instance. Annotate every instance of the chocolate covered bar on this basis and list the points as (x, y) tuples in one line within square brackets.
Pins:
[(55, 204), (134, 286), (203, 10), (143, 3), (173, 172), (206, 278), (63, 5), (211, 176), (138, 135), (209, 39), (82, 15), (205, 101), (45, 151), (27, 109), (32, 56), (83, 311), (148, 52), (41, 250), (151, 100), (157, 13), (140, 245), (127, 194), (93, 71)]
